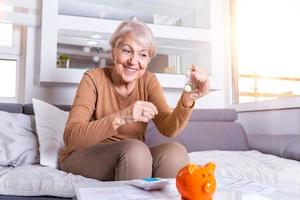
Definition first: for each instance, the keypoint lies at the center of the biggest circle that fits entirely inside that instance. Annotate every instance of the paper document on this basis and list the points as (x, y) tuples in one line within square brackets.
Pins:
[(126, 192), (243, 185)]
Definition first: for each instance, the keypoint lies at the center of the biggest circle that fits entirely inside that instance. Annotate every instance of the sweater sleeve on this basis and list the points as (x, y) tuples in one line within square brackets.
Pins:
[(80, 130), (168, 121)]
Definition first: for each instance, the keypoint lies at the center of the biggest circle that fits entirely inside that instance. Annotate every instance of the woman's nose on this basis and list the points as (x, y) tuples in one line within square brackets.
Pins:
[(134, 59)]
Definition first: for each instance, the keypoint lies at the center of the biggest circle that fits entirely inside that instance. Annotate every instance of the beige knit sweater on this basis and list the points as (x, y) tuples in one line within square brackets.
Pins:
[(97, 103)]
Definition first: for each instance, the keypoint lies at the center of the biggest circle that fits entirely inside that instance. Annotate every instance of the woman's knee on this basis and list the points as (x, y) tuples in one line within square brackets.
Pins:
[(134, 148), (135, 160), (173, 150), (169, 158)]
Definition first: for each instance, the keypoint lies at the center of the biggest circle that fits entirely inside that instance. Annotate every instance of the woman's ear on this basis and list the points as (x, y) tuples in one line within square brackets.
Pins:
[(149, 60), (112, 55)]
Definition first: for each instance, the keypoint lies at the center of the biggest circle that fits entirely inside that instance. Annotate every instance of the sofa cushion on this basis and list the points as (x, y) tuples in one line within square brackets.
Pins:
[(286, 146), (200, 136), (292, 151), (204, 135), (50, 124), (28, 108), (215, 115), (18, 142), (11, 107)]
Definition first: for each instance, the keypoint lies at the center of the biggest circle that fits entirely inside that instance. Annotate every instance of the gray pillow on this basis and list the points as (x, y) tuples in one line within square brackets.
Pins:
[(18, 141)]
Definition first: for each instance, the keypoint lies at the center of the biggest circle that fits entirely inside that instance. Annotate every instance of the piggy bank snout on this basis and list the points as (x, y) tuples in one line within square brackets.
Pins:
[(209, 187)]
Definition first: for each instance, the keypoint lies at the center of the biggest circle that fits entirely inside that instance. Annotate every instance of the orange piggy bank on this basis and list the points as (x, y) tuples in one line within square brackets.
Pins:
[(196, 182)]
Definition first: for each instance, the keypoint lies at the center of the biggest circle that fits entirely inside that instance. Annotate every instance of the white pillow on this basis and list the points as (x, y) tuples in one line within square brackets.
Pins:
[(50, 124), (18, 141)]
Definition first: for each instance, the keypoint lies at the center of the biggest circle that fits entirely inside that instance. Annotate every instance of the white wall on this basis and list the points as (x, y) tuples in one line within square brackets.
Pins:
[(64, 93), (55, 93)]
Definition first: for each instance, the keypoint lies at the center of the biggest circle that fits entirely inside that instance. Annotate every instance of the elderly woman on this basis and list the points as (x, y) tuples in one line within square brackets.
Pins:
[(106, 126)]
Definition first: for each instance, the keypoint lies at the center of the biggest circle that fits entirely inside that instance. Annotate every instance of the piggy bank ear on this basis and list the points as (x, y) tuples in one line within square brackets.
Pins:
[(192, 167), (210, 167)]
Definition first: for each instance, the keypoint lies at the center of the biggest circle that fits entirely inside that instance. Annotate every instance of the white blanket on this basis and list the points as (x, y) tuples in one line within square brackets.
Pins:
[(283, 174), (36, 180)]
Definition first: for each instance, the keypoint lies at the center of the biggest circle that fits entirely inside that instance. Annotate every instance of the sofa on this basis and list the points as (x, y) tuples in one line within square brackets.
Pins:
[(211, 135), (217, 129)]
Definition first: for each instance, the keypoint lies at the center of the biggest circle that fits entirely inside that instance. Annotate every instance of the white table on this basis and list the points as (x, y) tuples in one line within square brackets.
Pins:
[(121, 190)]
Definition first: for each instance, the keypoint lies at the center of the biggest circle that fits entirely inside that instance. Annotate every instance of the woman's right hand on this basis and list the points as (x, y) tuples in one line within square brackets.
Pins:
[(142, 111)]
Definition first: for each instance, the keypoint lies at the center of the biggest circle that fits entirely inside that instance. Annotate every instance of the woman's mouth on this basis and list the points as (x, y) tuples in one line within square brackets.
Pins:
[(130, 71)]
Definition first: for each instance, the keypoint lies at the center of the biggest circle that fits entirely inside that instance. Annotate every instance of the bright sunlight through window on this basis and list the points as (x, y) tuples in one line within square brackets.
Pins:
[(6, 30), (267, 49), (8, 78)]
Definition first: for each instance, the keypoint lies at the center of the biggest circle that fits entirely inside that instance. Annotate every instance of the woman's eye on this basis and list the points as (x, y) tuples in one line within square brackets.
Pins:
[(143, 55), (126, 51)]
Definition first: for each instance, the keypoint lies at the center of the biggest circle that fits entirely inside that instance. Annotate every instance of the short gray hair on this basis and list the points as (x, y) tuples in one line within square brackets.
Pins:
[(139, 30)]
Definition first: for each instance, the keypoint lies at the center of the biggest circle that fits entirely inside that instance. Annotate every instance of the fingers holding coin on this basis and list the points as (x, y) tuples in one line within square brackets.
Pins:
[(147, 110)]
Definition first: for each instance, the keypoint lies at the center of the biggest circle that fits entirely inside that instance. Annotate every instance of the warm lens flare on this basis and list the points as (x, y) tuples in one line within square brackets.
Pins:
[(268, 46)]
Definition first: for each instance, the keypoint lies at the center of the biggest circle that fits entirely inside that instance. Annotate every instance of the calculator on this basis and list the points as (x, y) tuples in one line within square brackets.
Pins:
[(149, 183)]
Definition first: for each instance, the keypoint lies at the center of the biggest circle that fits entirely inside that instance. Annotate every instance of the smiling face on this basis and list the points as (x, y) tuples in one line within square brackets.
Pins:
[(130, 59)]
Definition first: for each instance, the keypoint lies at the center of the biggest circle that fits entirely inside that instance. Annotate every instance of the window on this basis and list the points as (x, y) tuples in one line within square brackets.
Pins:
[(15, 16), (9, 58), (266, 46), (6, 31), (8, 78)]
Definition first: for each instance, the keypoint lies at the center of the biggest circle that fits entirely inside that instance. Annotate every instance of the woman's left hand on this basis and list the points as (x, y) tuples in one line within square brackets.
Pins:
[(200, 82)]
